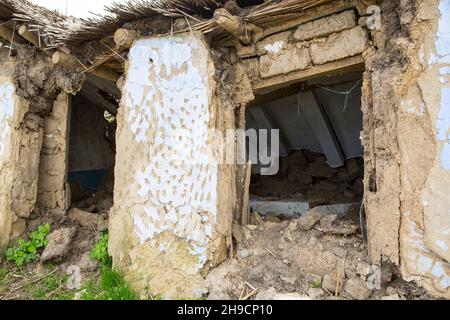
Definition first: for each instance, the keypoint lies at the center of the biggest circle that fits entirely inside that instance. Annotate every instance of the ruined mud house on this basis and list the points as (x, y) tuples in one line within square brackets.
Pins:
[(359, 91)]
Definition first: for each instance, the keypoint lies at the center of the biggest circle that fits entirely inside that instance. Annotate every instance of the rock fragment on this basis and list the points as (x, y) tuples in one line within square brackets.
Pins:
[(58, 244)]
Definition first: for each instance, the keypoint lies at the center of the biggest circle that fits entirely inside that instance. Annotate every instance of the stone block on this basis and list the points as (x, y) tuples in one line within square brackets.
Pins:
[(325, 26), (338, 46), (293, 57), (274, 43)]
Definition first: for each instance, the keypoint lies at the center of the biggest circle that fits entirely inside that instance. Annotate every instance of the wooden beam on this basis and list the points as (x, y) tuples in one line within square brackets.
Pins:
[(70, 62), (322, 128), (28, 35), (66, 60), (245, 220), (227, 21), (264, 122), (124, 38), (295, 88), (342, 66), (234, 25), (92, 94), (104, 85), (9, 35), (105, 73)]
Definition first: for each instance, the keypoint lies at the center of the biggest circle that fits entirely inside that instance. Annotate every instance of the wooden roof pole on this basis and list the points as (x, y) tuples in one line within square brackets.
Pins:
[(124, 38), (8, 34), (70, 62), (28, 35), (66, 60), (227, 21), (245, 32), (105, 73)]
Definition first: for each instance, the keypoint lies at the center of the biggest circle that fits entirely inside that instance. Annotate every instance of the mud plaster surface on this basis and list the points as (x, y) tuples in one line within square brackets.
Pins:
[(164, 223), (20, 144), (406, 138), (426, 247), (6, 116), (52, 194)]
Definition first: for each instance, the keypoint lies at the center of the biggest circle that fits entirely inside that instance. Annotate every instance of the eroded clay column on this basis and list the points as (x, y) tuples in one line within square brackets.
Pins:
[(20, 145), (52, 193), (170, 221)]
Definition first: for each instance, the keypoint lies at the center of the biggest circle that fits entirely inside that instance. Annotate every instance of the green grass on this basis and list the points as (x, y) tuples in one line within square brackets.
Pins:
[(24, 252), (112, 284), (52, 287), (100, 252), (105, 284)]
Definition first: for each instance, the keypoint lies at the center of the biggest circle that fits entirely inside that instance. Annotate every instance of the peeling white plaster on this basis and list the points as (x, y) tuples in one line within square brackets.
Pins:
[(274, 47), (445, 282), (421, 261), (167, 109), (443, 36), (443, 52), (422, 54), (411, 107), (443, 121), (444, 71), (6, 114), (438, 271), (424, 264), (445, 156), (441, 244)]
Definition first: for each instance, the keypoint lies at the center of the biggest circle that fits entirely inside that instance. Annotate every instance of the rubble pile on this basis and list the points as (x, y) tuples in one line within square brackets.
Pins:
[(316, 256), (307, 175)]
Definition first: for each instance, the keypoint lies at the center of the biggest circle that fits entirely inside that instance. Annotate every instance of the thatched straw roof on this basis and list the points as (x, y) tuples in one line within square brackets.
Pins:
[(49, 24), (198, 11), (59, 30), (120, 13)]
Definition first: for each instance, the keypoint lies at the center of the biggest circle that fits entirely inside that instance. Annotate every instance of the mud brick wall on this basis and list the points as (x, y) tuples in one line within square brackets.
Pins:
[(406, 122), (305, 46)]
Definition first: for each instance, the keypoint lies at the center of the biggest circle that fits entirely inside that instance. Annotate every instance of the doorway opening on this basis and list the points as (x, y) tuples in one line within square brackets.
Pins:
[(321, 155), (92, 146)]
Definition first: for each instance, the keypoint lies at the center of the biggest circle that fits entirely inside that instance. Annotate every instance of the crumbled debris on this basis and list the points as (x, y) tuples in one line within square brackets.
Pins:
[(85, 219), (309, 220), (357, 289), (86, 262), (306, 176), (331, 225), (280, 260), (58, 244)]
